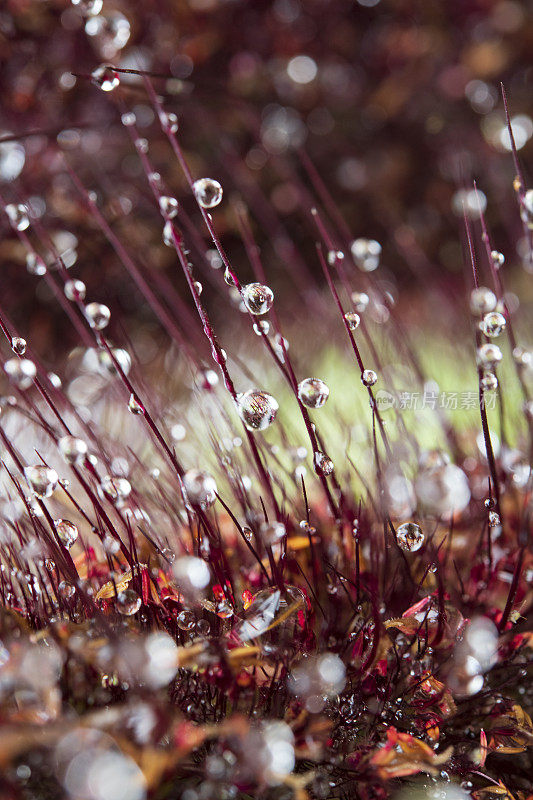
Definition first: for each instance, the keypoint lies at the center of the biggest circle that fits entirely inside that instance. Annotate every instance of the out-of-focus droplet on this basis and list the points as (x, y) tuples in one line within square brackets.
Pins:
[(257, 298), (208, 192), (313, 392), (169, 121), (66, 589), (43, 480), (66, 531), (482, 300), (366, 254), (257, 409), (488, 355), (18, 216), (489, 382), (105, 78), (35, 265), (106, 361), (409, 536), (128, 602), (98, 315), (360, 301), (75, 290), (114, 488), (169, 206), (21, 372), (18, 345), (73, 449), (262, 327), (498, 259), (272, 532), (89, 8), (192, 575), (200, 487), (12, 158)]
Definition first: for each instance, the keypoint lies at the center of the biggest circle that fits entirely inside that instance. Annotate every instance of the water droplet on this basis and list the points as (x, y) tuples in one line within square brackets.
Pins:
[(494, 519), (105, 78), (200, 487), (18, 345), (272, 532), (114, 489), (369, 377), (352, 319), (482, 300), (488, 355), (198, 288), (313, 392), (409, 536), (128, 602), (192, 574), (66, 589), (168, 234), (98, 315), (498, 259), (261, 327), (43, 480), (366, 254), (110, 544), (257, 409), (257, 298), (334, 256), (323, 464), (267, 606), (203, 627), (111, 32), (489, 382), (89, 8), (67, 532), (128, 119), (208, 192), (493, 324), (73, 449), (107, 365), (186, 620), (168, 206), (18, 216), (134, 406), (360, 301), (35, 265), (169, 121), (20, 371), (75, 290)]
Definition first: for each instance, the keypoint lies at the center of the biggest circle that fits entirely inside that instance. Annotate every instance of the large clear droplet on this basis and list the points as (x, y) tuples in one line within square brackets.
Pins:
[(43, 480), (73, 449), (409, 536), (257, 409), (66, 531), (208, 192), (257, 298), (313, 392)]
